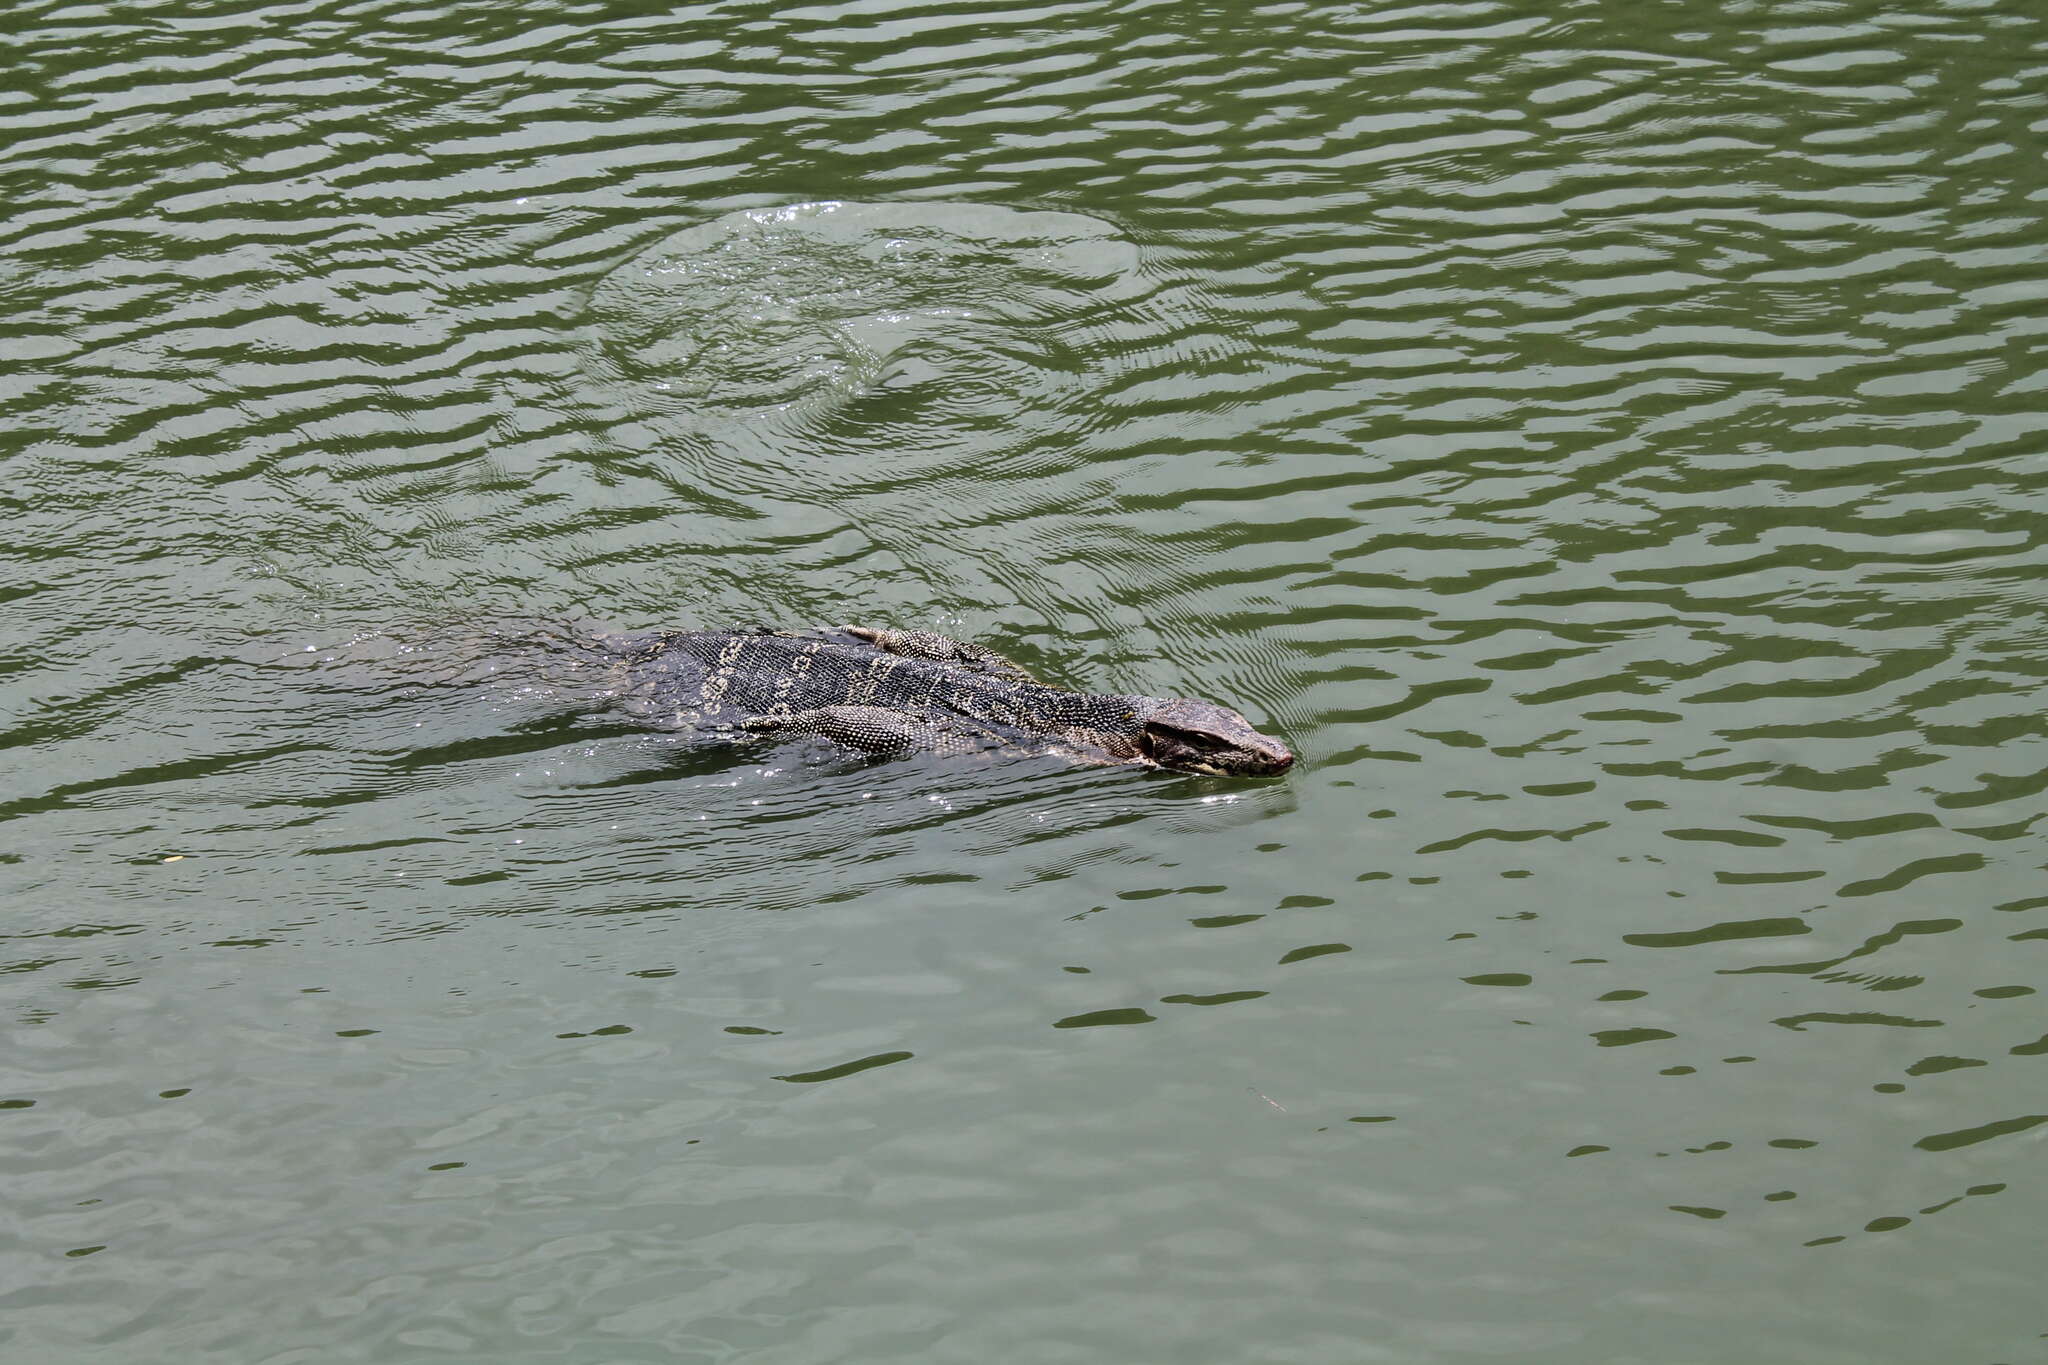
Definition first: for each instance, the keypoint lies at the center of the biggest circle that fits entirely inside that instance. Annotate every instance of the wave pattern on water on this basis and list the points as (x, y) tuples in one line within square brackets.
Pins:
[(1604, 438)]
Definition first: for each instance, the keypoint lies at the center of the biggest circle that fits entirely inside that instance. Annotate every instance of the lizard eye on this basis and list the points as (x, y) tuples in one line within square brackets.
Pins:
[(1194, 739), (1187, 749)]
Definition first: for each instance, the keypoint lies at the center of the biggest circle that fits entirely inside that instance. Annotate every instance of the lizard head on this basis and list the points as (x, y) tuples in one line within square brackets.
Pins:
[(1200, 737)]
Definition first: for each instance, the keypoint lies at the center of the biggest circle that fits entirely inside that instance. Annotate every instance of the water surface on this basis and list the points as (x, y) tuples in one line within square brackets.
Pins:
[(1605, 439)]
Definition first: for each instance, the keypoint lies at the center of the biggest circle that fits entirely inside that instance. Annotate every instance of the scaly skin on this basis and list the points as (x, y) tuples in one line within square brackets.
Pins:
[(896, 692)]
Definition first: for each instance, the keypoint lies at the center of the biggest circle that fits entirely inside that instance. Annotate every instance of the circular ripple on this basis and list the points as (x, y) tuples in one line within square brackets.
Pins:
[(820, 305)]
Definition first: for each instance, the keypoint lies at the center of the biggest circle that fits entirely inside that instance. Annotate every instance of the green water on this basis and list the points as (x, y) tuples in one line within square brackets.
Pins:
[(1605, 438)]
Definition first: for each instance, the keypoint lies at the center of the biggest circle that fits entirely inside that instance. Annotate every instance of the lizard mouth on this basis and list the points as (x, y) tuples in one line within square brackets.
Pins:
[(1260, 765)]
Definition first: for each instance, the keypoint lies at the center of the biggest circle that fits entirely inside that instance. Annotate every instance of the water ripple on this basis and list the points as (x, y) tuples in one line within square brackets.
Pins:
[(1604, 441)]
